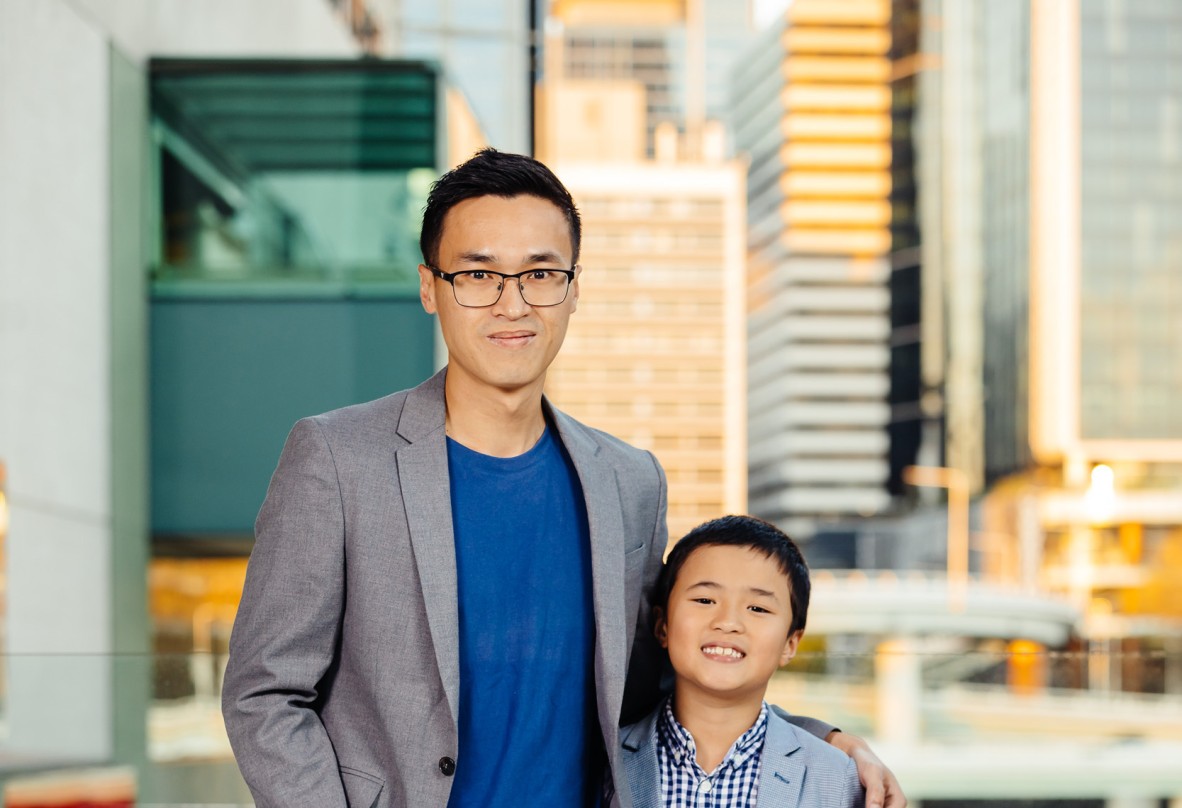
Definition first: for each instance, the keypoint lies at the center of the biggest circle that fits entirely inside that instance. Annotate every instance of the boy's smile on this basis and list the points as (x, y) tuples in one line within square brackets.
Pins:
[(727, 622)]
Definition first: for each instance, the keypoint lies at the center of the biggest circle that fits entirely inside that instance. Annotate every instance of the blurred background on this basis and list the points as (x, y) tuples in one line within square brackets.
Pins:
[(902, 276)]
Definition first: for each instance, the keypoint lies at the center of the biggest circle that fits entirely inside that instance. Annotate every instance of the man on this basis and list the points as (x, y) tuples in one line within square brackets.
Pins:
[(443, 599)]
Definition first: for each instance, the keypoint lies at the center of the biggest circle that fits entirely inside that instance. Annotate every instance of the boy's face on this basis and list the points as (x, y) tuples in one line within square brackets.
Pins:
[(510, 344), (726, 624)]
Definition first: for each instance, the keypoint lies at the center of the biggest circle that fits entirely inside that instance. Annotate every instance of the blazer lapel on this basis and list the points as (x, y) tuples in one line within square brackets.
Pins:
[(782, 775), (426, 494), (601, 493), (639, 759)]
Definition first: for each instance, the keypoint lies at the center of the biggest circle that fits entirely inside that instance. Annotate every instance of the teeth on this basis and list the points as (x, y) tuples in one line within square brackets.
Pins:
[(716, 650)]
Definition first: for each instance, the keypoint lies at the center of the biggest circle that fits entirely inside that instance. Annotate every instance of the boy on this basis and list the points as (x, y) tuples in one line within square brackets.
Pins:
[(733, 597)]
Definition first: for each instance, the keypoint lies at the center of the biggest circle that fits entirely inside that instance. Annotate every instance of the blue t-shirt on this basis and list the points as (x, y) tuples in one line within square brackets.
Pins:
[(529, 733)]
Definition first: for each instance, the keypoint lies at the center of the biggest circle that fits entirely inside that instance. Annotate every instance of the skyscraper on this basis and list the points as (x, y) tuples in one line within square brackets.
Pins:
[(812, 112), (486, 48), (680, 51), (656, 351), (1051, 164)]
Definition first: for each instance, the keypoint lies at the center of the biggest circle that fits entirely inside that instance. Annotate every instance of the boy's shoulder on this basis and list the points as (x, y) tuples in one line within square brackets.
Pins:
[(634, 736), (788, 751), (783, 737)]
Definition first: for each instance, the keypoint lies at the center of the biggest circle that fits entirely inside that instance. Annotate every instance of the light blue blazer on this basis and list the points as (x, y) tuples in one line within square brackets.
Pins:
[(799, 769)]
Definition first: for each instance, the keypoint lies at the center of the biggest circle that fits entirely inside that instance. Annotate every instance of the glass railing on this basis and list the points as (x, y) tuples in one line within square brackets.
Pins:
[(937, 716)]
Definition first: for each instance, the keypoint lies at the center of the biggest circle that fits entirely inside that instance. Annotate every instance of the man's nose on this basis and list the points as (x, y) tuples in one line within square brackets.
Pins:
[(511, 303)]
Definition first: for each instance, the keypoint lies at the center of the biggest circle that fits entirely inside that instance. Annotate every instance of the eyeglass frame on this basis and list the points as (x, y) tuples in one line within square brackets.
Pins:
[(450, 277)]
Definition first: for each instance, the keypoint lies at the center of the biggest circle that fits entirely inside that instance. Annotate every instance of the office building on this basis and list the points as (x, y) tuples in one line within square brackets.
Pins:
[(654, 354), (812, 114), (484, 46), (679, 51)]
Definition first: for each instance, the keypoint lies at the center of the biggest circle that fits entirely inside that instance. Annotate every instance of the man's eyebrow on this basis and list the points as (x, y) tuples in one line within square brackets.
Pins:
[(543, 257), (477, 257), (484, 257)]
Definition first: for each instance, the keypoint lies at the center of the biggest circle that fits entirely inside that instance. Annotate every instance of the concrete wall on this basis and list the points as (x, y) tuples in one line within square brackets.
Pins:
[(55, 408), (73, 338)]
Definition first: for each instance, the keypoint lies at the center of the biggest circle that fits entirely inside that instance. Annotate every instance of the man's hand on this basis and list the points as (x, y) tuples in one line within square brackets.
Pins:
[(882, 789)]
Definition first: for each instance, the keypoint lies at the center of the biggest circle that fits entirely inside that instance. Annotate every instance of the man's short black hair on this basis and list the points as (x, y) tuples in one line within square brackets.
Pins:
[(743, 531), (494, 173)]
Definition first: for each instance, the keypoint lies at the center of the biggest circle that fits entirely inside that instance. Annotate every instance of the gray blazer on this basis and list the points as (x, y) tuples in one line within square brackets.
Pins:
[(343, 678), (799, 769)]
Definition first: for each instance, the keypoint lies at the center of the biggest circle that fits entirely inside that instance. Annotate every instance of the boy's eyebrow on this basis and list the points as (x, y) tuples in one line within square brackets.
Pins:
[(754, 590)]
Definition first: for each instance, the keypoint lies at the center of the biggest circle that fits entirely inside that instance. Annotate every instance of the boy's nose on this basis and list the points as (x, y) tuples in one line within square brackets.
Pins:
[(727, 620)]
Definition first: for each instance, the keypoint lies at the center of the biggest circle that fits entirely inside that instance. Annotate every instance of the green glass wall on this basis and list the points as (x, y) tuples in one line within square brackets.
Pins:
[(288, 197)]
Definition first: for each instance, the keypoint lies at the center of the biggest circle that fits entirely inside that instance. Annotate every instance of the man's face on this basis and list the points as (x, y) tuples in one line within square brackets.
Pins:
[(726, 624), (510, 344)]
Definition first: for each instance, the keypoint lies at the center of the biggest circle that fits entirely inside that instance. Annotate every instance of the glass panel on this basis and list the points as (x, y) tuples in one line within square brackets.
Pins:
[(291, 171), (288, 202), (1068, 710), (3, 588)]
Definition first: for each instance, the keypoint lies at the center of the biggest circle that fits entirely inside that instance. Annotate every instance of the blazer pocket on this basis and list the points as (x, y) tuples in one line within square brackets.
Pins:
[(361, 788), (634, 556)]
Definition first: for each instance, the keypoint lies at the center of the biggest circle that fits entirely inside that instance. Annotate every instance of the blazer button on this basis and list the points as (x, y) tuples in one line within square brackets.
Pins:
[(447, 766)]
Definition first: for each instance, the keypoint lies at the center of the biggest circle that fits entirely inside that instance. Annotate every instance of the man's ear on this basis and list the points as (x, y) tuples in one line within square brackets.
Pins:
[(790, 647), (427, 289), (660, 628), (574, 289)]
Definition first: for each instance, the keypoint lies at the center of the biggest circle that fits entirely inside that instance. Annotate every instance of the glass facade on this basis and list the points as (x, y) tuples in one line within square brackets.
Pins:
[(288, 170), (1006, 236), (3, 587), (1131, 289), (485, 45), (906, 426), (288, 199), (285, 281)]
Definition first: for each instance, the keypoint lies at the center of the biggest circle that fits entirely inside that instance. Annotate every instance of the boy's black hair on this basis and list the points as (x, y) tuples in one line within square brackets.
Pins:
[(743, 531), (493, 173)]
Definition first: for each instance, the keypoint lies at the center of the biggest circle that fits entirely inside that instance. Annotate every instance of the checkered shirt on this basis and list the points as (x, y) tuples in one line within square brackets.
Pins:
[(734, 784)]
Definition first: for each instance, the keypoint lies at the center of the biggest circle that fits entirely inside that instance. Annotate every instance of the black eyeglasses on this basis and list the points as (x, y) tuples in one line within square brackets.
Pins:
[(480, 288)]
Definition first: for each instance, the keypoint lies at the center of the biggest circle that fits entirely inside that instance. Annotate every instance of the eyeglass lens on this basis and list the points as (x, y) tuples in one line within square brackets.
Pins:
[(541, 287)]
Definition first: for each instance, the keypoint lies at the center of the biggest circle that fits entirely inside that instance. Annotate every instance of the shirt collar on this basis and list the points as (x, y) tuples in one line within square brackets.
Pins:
[(680, 744)]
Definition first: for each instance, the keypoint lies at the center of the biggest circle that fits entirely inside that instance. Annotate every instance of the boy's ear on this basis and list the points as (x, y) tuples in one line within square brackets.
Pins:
[(790, 647), (660, 628)]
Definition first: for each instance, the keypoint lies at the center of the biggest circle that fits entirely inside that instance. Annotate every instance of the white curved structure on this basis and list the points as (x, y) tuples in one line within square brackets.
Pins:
[(918, 604)]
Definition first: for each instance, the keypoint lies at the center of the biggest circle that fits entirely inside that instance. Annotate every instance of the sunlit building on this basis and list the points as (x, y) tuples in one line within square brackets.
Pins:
[(812, 113), (655, 353), (679, 51), (1042, 154), (1082, 178)]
